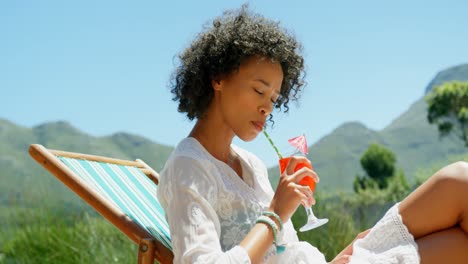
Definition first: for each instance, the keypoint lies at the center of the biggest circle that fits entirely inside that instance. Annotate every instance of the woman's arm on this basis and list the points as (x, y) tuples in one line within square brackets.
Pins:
[(257, 242), (287, 198)]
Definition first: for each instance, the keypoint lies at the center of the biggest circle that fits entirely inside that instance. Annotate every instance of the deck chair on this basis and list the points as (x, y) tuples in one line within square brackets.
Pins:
[(122, 191)]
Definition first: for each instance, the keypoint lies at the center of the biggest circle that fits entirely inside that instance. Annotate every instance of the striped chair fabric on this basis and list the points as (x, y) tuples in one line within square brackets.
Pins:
[(129, 189)]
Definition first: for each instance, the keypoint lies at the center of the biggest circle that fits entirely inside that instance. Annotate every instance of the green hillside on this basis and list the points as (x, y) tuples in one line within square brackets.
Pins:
[(416, 143), (24, 183), (334, 156)]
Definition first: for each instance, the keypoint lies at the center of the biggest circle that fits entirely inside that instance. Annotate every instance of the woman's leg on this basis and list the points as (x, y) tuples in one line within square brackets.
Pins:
[(447, 246), (438, 210)]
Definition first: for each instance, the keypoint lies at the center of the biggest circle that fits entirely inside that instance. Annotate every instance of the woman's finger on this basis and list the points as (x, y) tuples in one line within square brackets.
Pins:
[(300, 192), (295, 161), (305, 194), (310, 199), (304, 172)]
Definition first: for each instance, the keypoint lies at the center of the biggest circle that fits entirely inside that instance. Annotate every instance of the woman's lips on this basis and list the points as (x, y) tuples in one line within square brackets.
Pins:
[(258, 125)]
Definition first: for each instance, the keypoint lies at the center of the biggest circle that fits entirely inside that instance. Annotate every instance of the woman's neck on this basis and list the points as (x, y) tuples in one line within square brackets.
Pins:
[(218, 144), (216, 141)]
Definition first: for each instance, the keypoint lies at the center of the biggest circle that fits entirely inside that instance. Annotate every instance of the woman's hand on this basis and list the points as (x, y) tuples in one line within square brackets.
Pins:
[(348, 251), (289, 193)]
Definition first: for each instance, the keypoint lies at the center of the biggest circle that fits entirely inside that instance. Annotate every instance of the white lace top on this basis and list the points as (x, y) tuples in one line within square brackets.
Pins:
[(210, 210)]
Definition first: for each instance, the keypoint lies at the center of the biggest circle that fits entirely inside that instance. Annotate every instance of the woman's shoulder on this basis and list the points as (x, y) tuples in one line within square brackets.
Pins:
[(188, 158), (187, 170), (257, 166), (188, 147), (248, 156)]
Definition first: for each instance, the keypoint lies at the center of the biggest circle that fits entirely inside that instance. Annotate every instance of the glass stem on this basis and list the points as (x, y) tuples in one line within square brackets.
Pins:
[(309, 212)]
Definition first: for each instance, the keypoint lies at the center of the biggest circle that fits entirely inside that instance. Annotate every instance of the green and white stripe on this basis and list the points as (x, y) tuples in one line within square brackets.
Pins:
[(129, 189)]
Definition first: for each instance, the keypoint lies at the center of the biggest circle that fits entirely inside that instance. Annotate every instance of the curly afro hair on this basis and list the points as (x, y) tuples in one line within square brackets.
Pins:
[(220, 49)]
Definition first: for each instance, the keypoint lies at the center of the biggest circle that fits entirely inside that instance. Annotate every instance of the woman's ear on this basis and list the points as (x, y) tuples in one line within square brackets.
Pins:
[(217, 84)]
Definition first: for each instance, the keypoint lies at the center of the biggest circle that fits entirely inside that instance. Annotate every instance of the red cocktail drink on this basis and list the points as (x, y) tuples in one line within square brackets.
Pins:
[(306, 181)]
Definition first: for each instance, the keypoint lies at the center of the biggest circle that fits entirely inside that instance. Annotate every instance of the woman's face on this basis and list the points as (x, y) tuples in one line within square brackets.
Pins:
[(246, 97)]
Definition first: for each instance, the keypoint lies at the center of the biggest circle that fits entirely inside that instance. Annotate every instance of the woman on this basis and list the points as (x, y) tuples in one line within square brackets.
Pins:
[(217, 197)]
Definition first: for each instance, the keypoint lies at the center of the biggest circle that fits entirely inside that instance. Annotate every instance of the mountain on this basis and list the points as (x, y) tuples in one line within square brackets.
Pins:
[(335, 157), (414, 141), (24, 182), (458, 73)]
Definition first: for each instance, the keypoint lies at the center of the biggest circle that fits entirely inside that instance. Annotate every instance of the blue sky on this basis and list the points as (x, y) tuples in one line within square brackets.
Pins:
[(104, 66)]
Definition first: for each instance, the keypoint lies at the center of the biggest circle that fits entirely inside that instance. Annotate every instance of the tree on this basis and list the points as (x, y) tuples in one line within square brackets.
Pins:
[(448, 109), (379, 164), (363, 183), (398, 186)]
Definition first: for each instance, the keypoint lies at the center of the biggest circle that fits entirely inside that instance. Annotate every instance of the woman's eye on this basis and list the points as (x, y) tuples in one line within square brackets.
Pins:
[(258, 91), (274, 99)]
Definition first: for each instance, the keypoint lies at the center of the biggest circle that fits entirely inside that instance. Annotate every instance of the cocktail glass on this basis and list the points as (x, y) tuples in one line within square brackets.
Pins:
[(312, 220)]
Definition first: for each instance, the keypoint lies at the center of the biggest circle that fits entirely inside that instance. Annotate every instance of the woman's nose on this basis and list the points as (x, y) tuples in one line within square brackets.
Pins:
[(266, 109)]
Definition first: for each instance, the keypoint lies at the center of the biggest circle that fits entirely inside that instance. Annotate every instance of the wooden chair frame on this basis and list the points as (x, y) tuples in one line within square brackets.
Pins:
[(149, 247)]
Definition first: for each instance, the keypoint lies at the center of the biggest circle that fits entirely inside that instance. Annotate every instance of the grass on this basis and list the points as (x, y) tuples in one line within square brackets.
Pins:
[(47, 235)]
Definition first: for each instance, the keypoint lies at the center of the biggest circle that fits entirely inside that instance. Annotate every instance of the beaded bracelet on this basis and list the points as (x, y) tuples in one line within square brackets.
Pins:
[(267, 220), (269, 213)]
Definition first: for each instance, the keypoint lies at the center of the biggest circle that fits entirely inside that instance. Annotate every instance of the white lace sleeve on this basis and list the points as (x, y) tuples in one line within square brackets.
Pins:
[(187, 194)]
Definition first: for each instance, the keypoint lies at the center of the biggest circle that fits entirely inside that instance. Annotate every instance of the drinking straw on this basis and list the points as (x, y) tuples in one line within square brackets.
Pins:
[(272, 144)]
